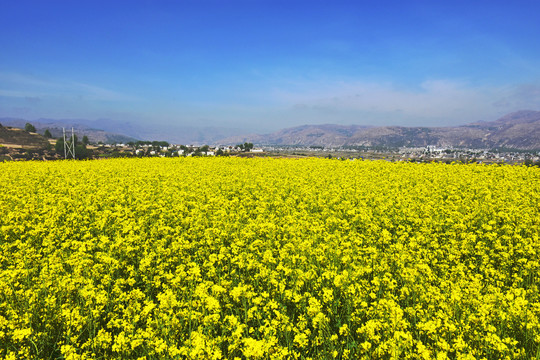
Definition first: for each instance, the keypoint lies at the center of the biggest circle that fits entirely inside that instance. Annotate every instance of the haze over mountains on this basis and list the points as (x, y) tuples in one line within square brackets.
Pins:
[(518, 130), (93, 130), (111, 131)]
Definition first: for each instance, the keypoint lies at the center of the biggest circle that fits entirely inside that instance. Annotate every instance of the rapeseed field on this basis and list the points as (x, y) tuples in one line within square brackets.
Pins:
[(227, 258)]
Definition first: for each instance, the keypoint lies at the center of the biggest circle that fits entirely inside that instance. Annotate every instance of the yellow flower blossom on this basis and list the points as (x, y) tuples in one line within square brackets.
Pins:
[(230, 258)]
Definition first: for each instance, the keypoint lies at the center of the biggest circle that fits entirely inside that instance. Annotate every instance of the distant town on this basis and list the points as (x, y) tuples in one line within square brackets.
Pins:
[(25, 144)]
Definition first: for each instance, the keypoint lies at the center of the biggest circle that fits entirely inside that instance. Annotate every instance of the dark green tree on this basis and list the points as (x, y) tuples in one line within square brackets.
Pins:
[(59, 146), (248, 146), (81, 152), (29, 127), (47, 134), (85, 140)]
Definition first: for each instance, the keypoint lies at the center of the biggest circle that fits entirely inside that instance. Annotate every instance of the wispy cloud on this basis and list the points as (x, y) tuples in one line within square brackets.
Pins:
[(26, 86)]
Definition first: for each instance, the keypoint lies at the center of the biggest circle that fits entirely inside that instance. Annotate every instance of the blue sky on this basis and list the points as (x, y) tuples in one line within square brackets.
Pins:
[(262, 65)]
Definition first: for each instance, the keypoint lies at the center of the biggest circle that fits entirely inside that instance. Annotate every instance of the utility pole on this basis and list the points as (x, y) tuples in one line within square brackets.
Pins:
[(69, 148)]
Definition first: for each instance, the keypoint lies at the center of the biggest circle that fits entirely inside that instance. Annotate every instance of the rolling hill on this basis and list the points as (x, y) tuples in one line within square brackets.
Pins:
[(14, 137), (518, 130)]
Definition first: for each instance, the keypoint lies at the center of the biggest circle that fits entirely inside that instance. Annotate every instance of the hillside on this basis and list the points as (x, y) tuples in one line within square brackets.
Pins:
[(518, 130), (13, 137)]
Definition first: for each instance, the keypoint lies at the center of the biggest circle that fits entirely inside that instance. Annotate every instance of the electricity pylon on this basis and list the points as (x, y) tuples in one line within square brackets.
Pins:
[(69, 148)]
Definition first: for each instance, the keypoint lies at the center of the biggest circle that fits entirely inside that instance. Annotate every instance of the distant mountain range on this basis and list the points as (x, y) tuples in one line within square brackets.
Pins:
[(518, 130)]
